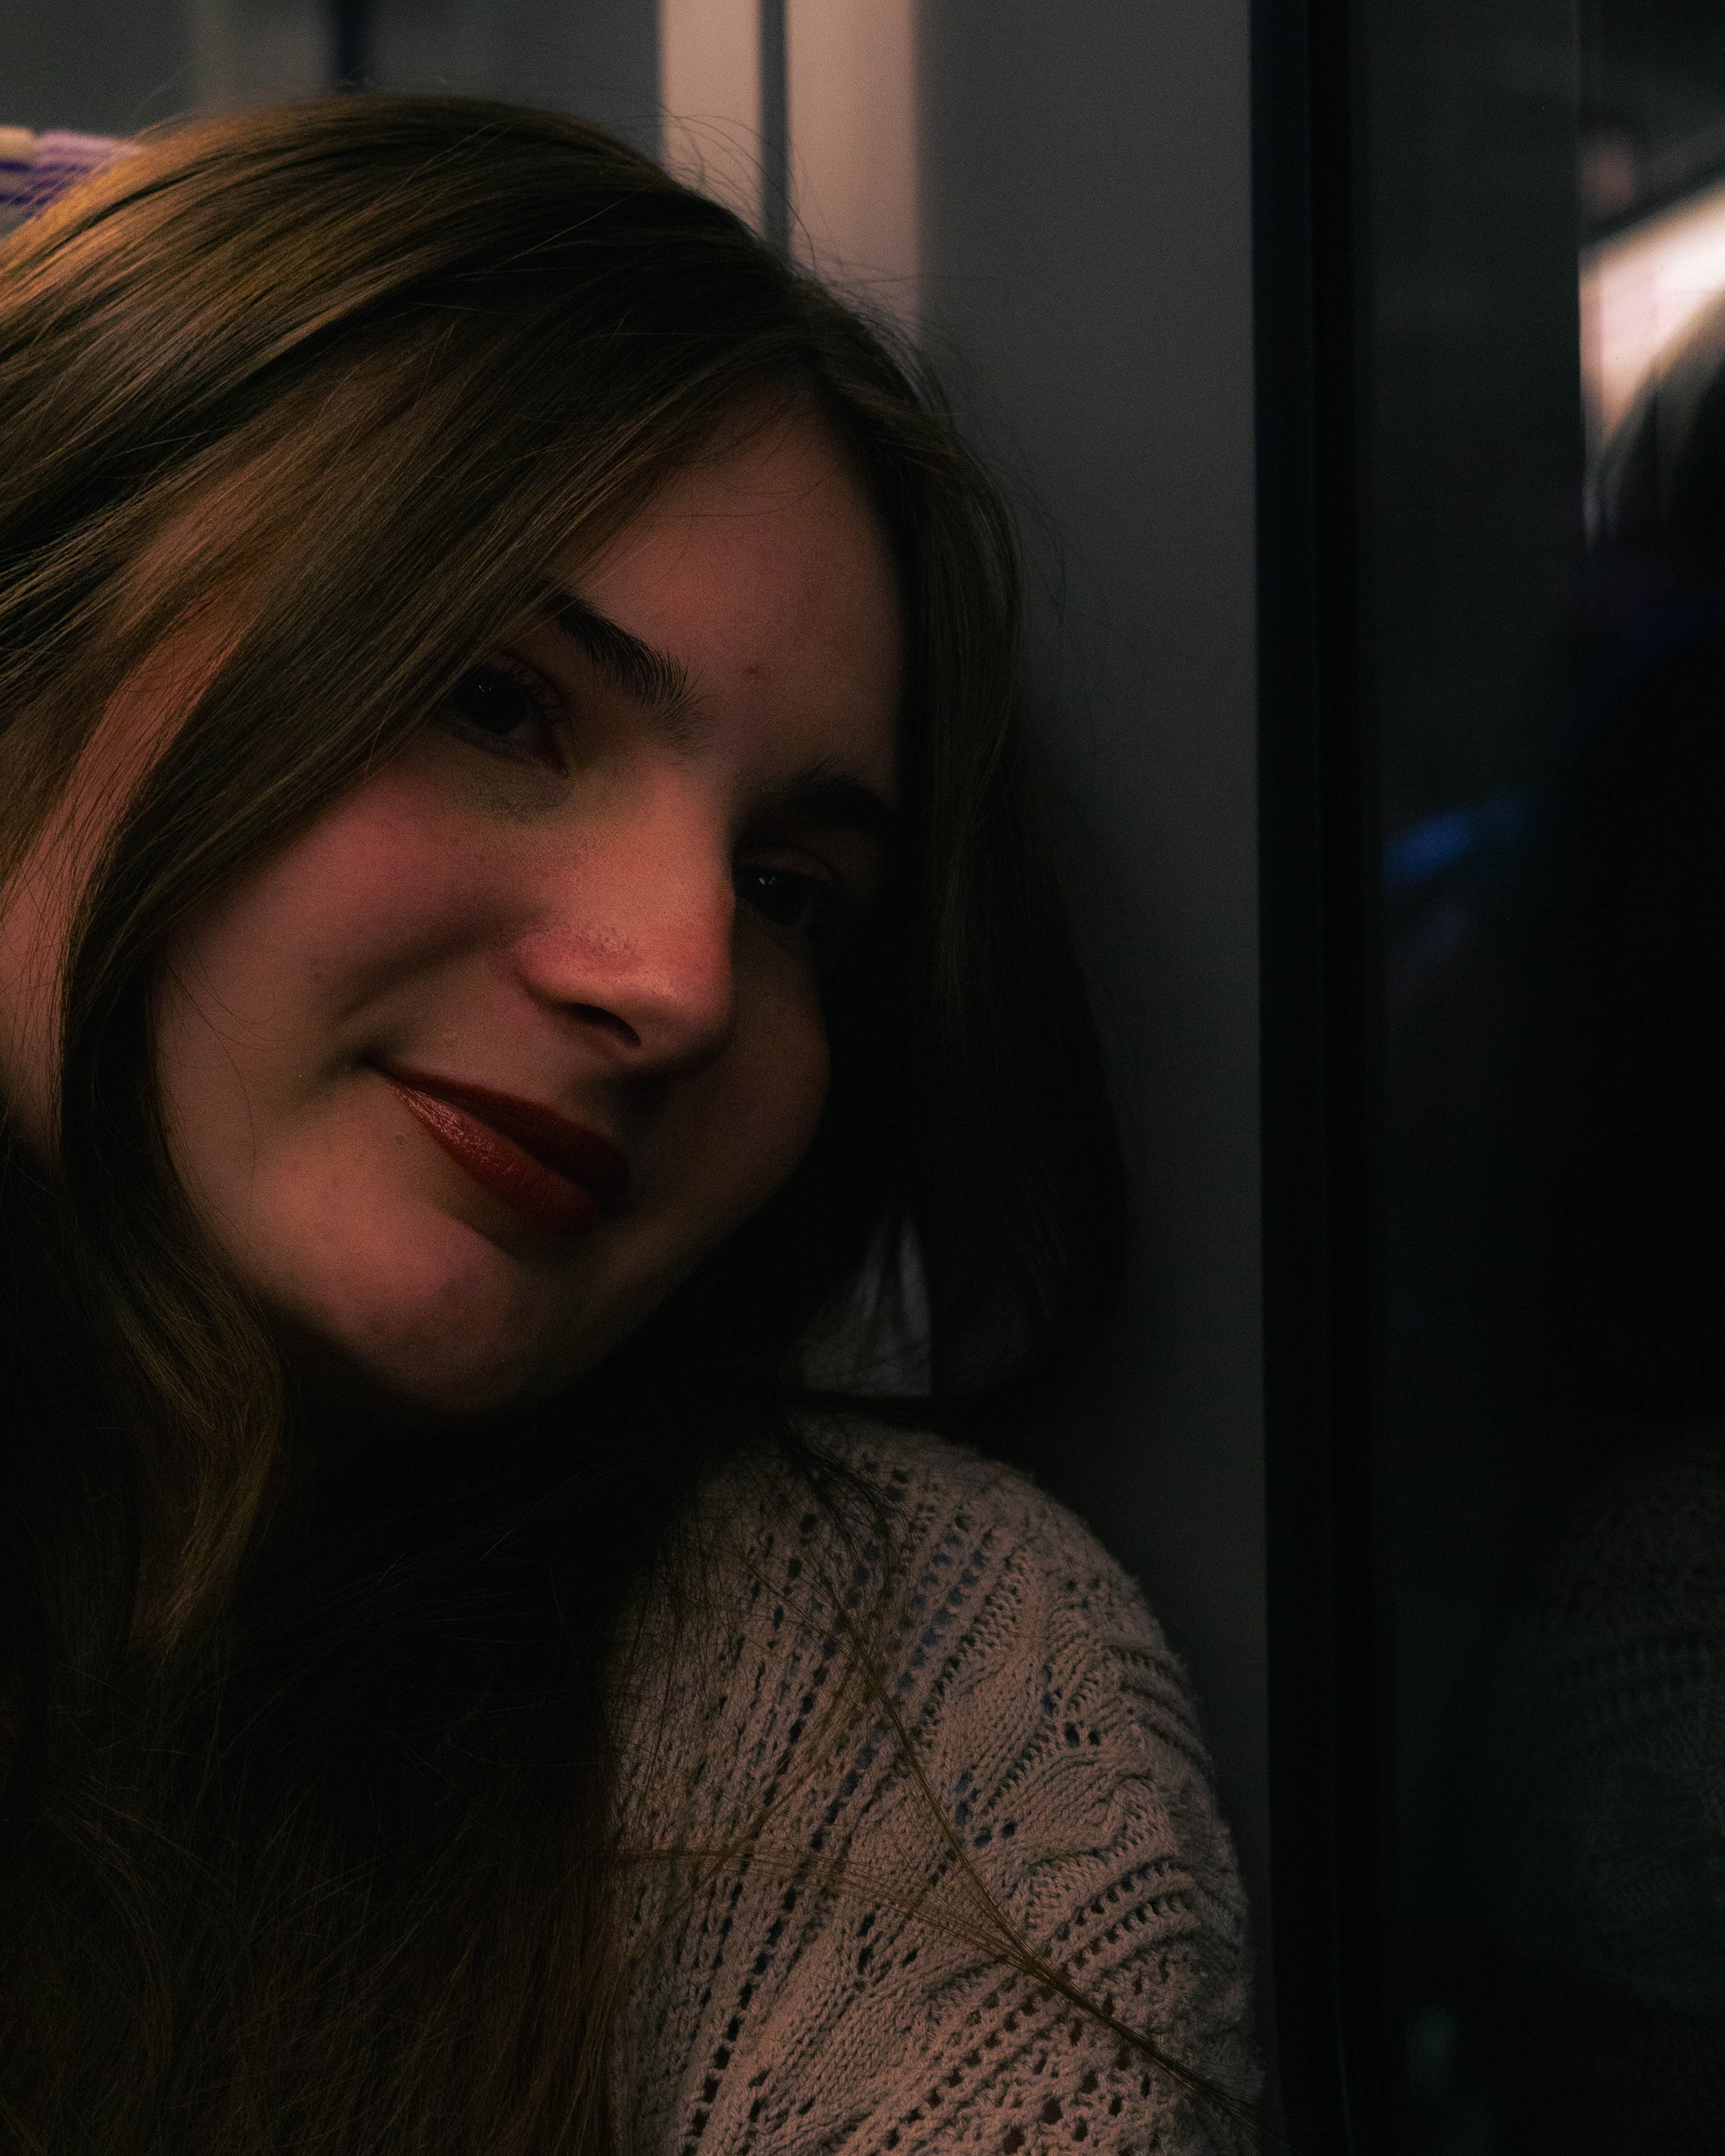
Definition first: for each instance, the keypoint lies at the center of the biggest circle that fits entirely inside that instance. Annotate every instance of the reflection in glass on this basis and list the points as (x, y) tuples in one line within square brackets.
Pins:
[(1547, 518), (1606, 1760)]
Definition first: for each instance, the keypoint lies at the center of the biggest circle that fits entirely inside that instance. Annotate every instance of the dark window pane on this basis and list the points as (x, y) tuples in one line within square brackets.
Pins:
[(1543, 581)]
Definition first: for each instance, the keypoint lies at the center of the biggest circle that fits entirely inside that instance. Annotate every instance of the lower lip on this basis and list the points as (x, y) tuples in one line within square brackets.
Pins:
[(549, 1200)]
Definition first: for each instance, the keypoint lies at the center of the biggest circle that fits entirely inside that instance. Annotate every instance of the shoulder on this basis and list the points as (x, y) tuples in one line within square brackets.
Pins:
[(956, 1744), (998, 1591), (1602, 1773), (1645, 1547), (1630, 1595)]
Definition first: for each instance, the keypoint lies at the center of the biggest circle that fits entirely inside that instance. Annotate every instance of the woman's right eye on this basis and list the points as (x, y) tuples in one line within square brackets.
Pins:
[(503, 708)]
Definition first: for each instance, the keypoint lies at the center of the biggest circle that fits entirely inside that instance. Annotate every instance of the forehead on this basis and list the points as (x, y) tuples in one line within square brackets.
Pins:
[(763, 573)]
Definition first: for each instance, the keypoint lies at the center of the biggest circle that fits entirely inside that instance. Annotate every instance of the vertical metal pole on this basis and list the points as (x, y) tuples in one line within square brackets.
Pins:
[(349, 44), (775, 128), (1331, 1824)]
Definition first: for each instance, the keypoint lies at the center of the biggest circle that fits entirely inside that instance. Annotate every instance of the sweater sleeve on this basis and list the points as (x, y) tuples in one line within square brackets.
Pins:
[(833, 1903)]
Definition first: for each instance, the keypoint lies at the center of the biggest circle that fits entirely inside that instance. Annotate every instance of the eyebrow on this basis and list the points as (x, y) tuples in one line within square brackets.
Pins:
[(839, 804), (661, 685), (650, 678)]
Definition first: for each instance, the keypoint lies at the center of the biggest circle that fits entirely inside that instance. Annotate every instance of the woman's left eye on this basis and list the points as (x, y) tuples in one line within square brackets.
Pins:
[(500, 705), (803, 905)]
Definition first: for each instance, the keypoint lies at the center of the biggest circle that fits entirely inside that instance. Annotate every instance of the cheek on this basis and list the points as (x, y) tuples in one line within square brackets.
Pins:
[(264, 993), (787, 1089), (747, 1129), (798, 1098)]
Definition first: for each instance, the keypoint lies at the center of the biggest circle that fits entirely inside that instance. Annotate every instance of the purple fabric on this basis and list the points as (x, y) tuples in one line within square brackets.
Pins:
[(62, 159)]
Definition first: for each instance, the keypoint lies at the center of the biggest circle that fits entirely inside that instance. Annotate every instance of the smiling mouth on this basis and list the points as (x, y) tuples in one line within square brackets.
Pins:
[(560, 1175)]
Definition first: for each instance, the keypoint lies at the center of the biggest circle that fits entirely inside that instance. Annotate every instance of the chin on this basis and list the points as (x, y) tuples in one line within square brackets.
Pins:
[(471, 1380), (437, 1323)]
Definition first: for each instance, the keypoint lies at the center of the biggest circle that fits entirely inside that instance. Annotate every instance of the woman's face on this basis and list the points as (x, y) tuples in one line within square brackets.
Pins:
[(465, 1077)]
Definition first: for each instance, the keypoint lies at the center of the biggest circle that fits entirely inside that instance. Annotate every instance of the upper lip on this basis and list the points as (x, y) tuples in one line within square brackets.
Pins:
[(556, 1141)]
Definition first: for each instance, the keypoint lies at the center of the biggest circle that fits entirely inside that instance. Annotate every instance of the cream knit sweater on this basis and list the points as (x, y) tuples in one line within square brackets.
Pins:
[(840, 1985)]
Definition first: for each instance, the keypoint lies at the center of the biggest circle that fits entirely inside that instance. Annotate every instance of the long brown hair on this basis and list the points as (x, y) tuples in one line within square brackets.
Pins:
[(317, 1858)]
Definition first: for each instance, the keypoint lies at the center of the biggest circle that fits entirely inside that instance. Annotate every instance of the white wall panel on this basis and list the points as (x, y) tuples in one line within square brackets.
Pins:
[(852, 111), (709, 88), (1086, 256), (598, 59), (255, 51)]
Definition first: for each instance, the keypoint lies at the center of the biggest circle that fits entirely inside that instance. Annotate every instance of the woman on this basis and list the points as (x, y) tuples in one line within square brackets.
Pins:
[(1603, 1797), (521, 905)]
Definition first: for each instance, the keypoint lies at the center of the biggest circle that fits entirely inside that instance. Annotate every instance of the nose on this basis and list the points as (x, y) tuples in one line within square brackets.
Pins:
[(632, 939)]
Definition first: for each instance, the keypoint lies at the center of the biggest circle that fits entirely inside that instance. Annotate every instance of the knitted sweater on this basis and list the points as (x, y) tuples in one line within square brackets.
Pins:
[(1608, 1777), (1605, 1795), (817, 1966)]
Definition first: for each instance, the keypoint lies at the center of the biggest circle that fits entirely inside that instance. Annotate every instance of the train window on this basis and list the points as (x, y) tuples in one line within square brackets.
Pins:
[(1496, 579)]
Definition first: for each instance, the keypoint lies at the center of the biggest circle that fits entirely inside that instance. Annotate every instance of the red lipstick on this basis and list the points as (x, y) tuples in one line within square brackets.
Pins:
[(562, 1175)]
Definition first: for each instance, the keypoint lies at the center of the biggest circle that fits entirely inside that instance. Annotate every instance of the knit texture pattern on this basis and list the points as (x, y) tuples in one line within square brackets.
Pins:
[(816, 1963), (1609, 1772)]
